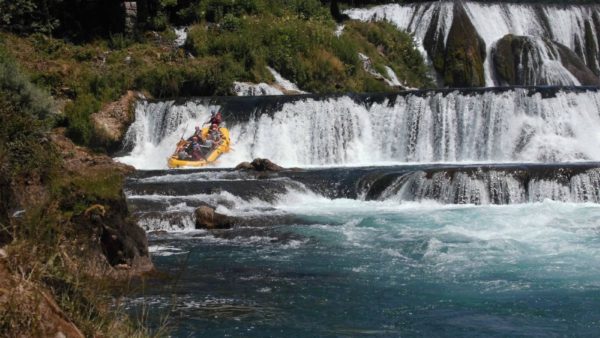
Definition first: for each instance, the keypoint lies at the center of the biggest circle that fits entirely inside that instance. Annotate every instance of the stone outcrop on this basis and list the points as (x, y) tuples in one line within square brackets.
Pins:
[(114, 236), (208, 218), (465, 53), (111, 122), (259, 164), (123, 243), (131, 12), (459, 60), (76, 159), (520, 60)]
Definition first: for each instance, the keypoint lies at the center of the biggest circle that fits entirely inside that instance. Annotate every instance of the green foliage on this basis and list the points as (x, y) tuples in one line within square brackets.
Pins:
[(309, 9), (231, 23), (48, 251), (216, 76), (28, 15), (78, 114), (25, 150), (23, 94), (118, 41), (24, 144), (307, 52), (216, 10)]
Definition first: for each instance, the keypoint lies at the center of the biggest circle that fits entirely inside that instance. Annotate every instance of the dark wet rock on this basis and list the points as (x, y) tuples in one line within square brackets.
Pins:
[(208, 218), (121, 240), (518, 60), (158, 233), (263, 189), (244, 166), (461, 62), (259, 164), (592, 50)]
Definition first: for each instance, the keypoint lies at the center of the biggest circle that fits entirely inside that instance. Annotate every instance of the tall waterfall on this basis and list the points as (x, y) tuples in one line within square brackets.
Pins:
[(505, 125), (576, 27)]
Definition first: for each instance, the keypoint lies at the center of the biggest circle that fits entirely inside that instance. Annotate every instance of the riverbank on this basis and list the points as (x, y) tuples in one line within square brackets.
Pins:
[(66, 237)]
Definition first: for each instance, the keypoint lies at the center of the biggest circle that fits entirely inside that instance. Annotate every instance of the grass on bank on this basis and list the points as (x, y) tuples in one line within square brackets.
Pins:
[(51, 248)]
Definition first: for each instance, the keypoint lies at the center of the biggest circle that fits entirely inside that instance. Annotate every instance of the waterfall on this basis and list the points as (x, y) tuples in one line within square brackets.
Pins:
[(575, 26), (166, 200), (494, 187), (157, 128), (519, 124), (417, 19), (541, 65)]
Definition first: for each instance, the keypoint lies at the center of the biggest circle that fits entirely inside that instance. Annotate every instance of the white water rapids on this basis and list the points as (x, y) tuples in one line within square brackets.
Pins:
[(486, 126)]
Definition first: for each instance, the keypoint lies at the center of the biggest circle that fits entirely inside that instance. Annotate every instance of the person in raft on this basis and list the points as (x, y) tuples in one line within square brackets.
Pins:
[(214, 134), (215, 118), (197, 133), (192, 150)]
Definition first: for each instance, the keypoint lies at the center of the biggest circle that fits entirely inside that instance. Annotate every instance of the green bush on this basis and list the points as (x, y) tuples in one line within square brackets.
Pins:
[(119, 41), (78, 112), (231, 23), (23, 94), (306, 51), (25, 149), (216, 10), (310, 9)]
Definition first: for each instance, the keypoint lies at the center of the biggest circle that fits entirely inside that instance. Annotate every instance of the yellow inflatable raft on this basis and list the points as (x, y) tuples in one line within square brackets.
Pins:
[(223, 147)]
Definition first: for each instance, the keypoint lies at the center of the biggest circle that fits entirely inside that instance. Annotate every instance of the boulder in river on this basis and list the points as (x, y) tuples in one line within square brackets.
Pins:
[(533, 61), (208, 218), (259, 164)]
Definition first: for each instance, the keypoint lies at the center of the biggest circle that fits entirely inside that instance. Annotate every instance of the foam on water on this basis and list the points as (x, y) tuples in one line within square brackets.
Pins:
[(418, 260)]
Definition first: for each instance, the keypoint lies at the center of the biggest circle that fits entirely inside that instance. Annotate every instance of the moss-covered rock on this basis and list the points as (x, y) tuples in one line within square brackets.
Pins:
[(523, 60), (464, 54)]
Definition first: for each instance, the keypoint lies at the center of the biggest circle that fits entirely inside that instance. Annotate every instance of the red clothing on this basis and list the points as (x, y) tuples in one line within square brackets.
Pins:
[(217, 119)]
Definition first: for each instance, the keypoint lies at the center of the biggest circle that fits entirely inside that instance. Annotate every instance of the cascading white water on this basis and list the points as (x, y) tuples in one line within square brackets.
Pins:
[(493, 187), (157, 128), (542, 65), (565, 25), (511, 125), (414, 18)]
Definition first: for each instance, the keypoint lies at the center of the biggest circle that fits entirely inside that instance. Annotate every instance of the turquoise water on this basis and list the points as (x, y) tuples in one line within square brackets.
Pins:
[(385, 269)]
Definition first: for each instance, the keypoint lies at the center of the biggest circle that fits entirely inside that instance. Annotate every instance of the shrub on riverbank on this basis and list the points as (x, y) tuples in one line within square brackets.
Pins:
[(50, 246)]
